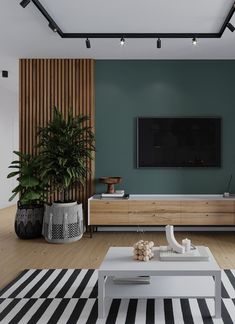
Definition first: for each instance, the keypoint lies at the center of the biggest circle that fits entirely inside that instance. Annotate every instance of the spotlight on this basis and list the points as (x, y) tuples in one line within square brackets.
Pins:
[(24, 3), (88, 43), (53, 27), (122, 41), (231, 27), (194, 41), (159, 43)]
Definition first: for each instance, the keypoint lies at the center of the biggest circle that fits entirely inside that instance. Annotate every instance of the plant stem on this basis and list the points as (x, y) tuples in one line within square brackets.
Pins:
[(66, 194)]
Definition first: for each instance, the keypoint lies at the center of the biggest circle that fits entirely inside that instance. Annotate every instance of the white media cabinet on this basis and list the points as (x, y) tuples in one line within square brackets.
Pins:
[(159, 210)]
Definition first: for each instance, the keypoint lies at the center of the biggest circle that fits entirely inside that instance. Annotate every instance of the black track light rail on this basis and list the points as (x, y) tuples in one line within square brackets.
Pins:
[(227, 20), (51, 21), (141, 35)]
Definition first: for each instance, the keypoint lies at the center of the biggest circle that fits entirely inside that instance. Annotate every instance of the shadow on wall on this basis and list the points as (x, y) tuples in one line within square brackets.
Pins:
[(9, 141)]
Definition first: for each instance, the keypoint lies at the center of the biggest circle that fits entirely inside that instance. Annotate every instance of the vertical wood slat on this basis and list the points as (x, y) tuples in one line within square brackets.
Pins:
[(64, 83)]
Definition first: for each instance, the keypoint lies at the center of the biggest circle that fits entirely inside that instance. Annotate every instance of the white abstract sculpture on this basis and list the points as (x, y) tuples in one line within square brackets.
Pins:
[(173, 244)]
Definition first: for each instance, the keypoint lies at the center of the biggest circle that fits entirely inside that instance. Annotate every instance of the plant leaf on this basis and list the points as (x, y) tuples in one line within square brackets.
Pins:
[(31, 195), (14, 167), (17, 189), (22, 155), (13, 196), (28, 181), (12, 174)]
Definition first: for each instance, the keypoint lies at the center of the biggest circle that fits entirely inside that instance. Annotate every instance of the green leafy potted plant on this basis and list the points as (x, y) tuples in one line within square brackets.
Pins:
[(31, 190), (66, 144)]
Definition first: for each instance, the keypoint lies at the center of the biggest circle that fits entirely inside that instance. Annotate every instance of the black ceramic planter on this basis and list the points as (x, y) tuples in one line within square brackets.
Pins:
[(28, 221)]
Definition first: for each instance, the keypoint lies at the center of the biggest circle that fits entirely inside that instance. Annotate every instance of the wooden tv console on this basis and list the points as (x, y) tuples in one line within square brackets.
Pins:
[(157, 210)]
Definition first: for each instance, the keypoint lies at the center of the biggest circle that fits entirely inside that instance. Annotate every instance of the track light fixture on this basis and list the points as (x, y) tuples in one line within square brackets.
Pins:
[(53, 27), (194, 41), (137, 35), (122, 41), (88, 43), (159, 43), (24, 3), (231, 27)]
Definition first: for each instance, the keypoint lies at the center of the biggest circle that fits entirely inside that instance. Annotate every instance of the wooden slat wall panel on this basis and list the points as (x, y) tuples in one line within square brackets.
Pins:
[(64, 83)]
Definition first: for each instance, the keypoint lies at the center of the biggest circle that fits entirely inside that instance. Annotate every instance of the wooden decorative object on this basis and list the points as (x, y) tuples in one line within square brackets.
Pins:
[(110, 181)]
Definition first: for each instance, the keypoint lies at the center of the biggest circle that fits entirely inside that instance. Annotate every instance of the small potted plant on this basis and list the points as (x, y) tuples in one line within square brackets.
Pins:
[(66, 144), (31, 190)]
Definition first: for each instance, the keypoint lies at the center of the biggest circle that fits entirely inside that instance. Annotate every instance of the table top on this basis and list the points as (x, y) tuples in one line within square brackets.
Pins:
[(120, 259)]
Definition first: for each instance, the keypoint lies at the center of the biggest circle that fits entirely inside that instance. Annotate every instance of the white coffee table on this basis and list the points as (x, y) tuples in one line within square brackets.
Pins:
[(169, 279)]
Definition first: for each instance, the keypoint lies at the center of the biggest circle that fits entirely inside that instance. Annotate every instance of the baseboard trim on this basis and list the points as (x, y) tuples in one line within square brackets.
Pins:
[(162, 229)]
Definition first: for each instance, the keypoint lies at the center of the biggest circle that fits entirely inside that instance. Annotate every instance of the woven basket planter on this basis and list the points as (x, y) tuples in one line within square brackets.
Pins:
[(63, 223), (28, 221)]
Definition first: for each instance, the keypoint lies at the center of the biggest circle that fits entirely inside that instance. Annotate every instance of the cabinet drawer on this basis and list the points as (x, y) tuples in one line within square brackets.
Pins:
[(207, 219), (154, 218), (139, 206), (212, 206), (105, 206), (109, 219)]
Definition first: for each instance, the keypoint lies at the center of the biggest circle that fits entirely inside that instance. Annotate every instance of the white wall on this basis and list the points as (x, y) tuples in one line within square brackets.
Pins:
[(9, 126)]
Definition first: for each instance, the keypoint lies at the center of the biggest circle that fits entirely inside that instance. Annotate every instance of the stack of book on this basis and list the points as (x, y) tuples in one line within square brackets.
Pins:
[(116, 194), (144, 280)]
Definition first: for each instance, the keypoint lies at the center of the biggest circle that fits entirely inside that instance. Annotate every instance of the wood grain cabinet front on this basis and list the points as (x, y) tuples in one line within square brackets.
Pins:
[(161, 212), (207, 206), (207, 219), (153, 212), (204, 212), (113, 212)]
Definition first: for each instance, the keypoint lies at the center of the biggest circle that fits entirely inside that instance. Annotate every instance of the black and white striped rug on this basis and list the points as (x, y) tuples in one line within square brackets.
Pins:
[(68, 296)]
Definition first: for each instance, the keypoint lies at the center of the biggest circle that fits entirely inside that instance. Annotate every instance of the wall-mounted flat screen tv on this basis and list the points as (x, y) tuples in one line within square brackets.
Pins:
[(178, 142)]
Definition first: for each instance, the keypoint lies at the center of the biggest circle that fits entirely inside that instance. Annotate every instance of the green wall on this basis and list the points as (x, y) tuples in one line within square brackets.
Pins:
[(127, 89)]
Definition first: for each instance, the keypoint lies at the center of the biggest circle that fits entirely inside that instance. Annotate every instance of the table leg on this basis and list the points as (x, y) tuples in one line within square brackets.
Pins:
[(91, 230), (218, 295), (101, 295)]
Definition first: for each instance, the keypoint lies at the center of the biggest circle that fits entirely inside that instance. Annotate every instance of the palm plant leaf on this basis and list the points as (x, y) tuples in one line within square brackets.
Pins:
[(13, 196), (28, 181), (31, 188), (13, 174)]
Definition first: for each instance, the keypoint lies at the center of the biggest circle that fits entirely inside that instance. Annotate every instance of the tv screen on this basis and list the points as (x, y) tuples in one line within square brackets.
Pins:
[(178, 142)]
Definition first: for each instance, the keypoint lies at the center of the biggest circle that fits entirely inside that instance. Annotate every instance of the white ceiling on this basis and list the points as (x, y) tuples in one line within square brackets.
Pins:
[(139, 15), (25, 32)]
